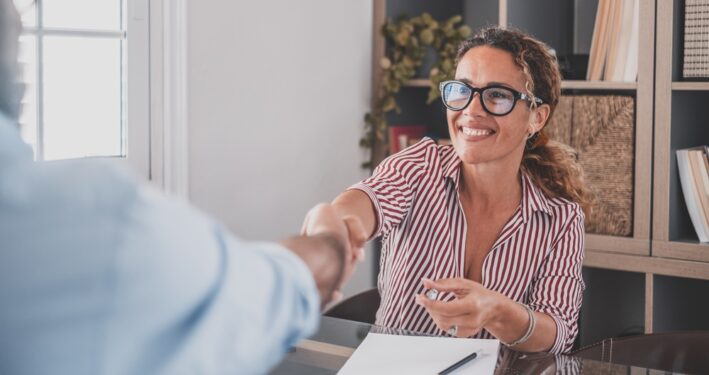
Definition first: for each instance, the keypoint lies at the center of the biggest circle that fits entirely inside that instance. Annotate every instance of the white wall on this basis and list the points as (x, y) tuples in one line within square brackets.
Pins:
[(278, 90)]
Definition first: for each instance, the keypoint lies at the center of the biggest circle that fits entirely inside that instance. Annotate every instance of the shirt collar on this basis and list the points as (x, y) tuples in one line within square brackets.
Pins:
[(533, 199), (451, 164)]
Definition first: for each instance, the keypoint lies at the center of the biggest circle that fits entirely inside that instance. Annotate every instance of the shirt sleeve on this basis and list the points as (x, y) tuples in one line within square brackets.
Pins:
[(393, 185), (558, 288), (192, 298)]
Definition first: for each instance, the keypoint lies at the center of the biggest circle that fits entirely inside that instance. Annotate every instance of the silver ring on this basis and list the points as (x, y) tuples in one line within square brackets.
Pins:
[(452, 331)]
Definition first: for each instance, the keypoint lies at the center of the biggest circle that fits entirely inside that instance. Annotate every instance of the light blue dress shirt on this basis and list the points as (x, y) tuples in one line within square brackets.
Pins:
[(99, 275)]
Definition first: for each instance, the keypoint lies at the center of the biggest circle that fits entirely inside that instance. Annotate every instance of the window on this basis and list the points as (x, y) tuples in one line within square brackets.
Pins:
[(85, 65)]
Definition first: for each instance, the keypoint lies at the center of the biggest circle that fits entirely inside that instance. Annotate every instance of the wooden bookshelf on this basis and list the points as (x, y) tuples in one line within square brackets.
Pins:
[(680, 123), (679, 111)]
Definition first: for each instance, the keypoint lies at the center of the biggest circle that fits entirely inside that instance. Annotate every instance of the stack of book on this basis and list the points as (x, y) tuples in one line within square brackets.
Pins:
[(696, 39), (693, 166), (614, 46), (403, 136)]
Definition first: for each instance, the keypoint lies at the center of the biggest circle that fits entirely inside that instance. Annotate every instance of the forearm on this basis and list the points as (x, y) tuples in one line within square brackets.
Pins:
[(356, 204), (324, 254), (512, 321)]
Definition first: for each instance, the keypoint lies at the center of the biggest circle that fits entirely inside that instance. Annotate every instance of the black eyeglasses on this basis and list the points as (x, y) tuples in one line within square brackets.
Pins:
[(496, 100)]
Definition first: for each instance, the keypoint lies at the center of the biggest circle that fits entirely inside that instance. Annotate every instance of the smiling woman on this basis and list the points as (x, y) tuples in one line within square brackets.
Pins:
[(494, 221)]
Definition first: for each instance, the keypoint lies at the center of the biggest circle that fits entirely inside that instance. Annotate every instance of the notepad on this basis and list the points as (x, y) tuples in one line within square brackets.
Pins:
[(397, 354)]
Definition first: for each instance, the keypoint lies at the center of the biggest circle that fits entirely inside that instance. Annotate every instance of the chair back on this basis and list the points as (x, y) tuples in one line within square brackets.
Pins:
[(361, 307)]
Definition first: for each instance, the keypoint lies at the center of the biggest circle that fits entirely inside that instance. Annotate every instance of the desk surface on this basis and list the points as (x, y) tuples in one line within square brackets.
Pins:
[(327, 351)]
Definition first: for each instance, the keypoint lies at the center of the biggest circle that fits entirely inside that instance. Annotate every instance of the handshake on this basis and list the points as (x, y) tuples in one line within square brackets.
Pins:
[(331, 243)]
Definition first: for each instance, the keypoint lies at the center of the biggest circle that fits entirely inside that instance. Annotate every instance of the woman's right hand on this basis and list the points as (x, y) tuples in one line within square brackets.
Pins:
[(324, 218)]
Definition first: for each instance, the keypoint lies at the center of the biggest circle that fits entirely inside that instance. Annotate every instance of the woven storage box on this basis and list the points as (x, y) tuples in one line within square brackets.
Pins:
[(601, 129), (695, 64)]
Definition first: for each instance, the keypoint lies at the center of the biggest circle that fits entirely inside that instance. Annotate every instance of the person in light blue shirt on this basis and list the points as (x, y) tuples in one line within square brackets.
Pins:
[(100, 275)]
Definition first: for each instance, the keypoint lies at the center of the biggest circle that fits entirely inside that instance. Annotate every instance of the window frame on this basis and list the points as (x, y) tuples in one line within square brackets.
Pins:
[(157, 99), (135, 66)]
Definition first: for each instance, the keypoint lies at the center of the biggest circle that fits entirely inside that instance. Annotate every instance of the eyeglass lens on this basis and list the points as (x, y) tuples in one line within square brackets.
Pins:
[(496, 100)]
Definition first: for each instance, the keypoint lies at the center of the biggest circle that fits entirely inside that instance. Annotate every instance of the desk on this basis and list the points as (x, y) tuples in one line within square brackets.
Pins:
[(336, 340)]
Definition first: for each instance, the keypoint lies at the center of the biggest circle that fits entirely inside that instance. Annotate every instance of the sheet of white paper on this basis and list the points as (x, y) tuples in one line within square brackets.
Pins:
[(397, 354)]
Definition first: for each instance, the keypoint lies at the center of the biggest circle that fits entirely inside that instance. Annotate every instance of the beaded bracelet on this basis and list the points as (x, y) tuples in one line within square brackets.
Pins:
[(530, 328)]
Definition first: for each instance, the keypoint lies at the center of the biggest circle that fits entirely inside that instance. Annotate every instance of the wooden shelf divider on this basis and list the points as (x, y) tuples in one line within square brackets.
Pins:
[(681, 250), (598, 85), (690, 86)]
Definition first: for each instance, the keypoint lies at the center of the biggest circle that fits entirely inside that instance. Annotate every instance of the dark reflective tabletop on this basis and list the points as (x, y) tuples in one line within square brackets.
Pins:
[(328, 350)]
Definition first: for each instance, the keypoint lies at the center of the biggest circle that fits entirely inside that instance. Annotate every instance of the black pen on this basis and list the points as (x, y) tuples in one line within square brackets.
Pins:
[(460, 363)]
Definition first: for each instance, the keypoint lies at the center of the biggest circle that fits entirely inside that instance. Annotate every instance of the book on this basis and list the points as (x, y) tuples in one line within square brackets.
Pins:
[(615, 24), (630, 73), (614, 44), (691, 196), (626, 18), (701, 183), (399, 136), (599, 42)]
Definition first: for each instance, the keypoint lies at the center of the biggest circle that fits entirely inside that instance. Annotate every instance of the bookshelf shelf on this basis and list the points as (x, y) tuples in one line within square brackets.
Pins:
[(598, 85), (690, 86), (418, 82), (615, 244), (694, 251), (645, 264)]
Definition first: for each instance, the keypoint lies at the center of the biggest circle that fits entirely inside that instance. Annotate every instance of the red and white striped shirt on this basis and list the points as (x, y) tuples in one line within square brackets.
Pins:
[(536, 259)]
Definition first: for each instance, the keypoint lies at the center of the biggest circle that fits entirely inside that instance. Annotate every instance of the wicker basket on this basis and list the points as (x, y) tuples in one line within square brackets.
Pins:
[(601, 129)]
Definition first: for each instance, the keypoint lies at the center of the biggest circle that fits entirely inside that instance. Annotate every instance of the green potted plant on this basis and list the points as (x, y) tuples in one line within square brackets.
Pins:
[(407, 40)]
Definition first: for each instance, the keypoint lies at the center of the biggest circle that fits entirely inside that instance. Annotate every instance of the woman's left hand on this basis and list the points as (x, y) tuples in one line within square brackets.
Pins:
[(473, 308)]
